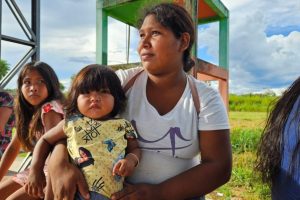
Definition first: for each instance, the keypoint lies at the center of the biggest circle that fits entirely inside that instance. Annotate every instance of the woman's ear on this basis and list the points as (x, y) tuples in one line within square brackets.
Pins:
[(185, 41)]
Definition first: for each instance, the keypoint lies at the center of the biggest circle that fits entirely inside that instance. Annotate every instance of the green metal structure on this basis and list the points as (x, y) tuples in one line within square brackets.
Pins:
[(202, 12)]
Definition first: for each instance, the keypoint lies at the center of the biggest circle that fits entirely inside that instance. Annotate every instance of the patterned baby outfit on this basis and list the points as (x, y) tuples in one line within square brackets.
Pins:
[(96, 146)]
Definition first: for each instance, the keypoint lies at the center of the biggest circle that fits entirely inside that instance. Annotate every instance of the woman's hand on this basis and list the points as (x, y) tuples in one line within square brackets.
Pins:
[(65, 177), (66, 180), (138, 192)]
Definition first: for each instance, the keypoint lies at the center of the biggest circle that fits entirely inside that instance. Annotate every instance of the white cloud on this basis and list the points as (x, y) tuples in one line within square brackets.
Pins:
[(259, 59), (117, 42)]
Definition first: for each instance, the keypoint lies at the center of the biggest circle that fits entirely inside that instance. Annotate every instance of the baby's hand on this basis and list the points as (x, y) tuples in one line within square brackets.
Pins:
[(35, 184), (125, 167)]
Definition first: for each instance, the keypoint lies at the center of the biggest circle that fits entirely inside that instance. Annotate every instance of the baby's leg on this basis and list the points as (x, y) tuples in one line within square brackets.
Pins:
[(21, 194), (8, 187)]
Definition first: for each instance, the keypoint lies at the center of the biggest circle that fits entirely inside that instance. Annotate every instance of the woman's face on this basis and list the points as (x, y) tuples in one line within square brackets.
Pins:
[(158, 48), (34, 88)]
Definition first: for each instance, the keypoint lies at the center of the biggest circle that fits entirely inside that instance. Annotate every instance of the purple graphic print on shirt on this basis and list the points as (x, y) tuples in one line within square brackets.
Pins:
[(172, 132)]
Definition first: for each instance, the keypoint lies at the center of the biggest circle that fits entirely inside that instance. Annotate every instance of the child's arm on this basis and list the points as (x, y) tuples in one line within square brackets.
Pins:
[(9, 155), (36, 179), (51, 119), (53, 125), (125, 167)]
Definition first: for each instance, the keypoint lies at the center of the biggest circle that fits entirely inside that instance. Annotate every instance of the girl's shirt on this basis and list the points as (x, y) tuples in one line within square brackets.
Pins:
[(169, 142), (96, 146), (288, 186), (51, 106), (47, 107)]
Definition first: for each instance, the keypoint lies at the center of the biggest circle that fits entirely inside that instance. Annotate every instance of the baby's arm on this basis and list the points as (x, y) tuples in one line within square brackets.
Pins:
[(36, 179), (125, 167)]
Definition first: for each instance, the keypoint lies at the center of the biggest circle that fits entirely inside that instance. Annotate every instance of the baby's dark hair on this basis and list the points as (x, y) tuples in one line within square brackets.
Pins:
[(95, 77), (178, 20), (25, 112)]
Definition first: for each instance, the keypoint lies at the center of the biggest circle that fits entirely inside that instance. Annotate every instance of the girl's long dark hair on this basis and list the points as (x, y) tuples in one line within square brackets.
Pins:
[(29, 121), (269, 154), (95, 77)]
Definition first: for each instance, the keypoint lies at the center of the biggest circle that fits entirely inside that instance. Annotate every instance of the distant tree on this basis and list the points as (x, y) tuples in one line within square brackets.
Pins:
[(72, 77), (61, 86), (270, 92), (4, 67)]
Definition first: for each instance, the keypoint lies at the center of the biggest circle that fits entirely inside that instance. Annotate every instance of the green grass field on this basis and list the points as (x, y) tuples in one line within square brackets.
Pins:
[(246, 128)]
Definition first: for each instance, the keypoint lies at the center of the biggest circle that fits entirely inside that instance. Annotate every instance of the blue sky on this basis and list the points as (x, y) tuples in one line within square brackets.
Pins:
[(264, 41)]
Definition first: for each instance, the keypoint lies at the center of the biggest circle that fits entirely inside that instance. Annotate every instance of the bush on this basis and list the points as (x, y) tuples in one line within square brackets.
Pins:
[(250, 102)]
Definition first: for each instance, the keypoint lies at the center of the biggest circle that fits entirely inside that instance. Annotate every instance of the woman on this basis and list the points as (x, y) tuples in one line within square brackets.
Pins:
[(279, 150), (170, 132)]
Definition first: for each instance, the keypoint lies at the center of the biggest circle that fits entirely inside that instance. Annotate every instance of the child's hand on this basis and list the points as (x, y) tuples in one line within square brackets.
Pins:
[(35, 184), (124, 167)]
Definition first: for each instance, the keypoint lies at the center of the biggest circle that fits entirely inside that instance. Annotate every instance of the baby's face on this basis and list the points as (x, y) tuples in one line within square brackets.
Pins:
[(96, 104)]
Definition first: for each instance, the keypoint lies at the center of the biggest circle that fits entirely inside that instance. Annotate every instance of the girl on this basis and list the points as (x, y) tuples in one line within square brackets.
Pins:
[(96, 139), (38, 109)]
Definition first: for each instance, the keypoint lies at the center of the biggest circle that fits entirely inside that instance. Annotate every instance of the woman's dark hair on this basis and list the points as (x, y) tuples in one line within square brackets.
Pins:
[(26, 114), (94, 78), (269, 154), (178, 20)]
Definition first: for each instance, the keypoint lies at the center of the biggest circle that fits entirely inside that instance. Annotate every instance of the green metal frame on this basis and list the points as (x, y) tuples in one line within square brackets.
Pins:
[(126, 11), (223, 19), (101, 34), (224, 43)]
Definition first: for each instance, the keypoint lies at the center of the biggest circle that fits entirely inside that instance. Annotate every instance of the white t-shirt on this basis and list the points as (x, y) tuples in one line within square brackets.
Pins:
[(169, 142)]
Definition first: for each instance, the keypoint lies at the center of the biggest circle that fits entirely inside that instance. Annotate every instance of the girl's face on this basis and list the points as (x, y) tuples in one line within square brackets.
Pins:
[(160, 51), (34, 88), (96, 104)]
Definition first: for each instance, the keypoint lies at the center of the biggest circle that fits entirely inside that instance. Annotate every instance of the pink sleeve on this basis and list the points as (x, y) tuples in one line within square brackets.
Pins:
[(51, 106)]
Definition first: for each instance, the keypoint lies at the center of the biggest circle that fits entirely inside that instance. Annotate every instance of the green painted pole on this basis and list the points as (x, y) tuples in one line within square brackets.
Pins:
[(224, 43), (101, 33)]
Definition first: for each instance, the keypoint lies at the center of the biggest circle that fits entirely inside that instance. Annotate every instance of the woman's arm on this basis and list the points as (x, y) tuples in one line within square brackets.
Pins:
[(9, 155), (65, 177), (214, 171)]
